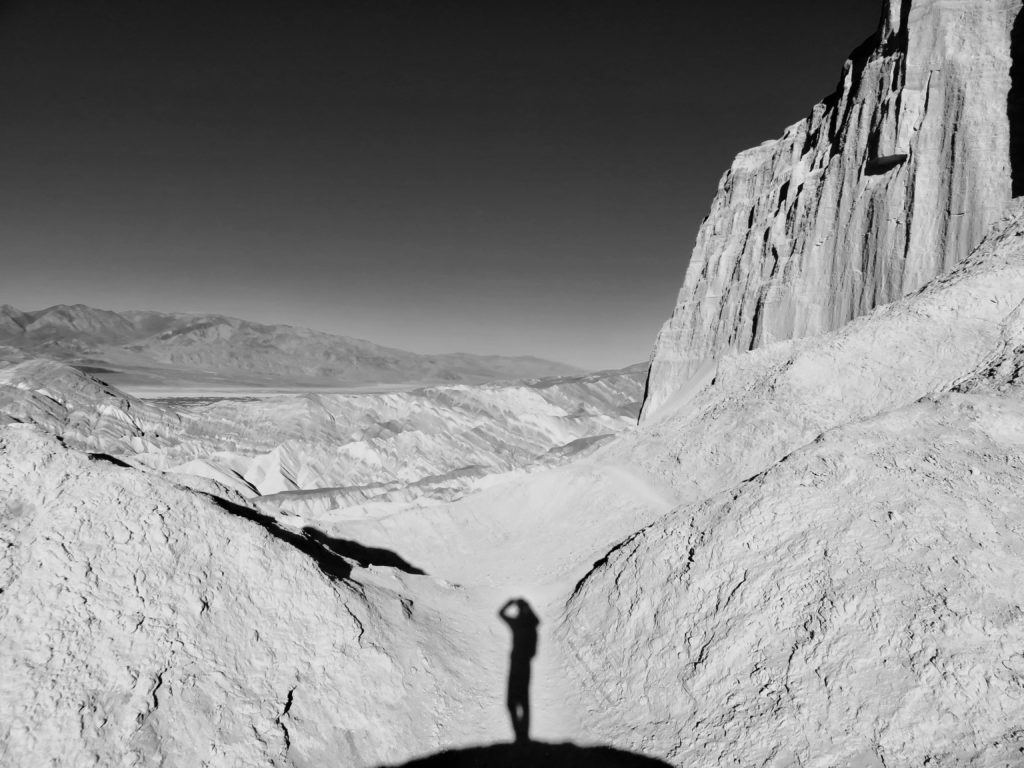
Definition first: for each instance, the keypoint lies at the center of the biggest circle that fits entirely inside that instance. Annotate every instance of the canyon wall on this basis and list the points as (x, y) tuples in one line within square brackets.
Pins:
[(890, 181)]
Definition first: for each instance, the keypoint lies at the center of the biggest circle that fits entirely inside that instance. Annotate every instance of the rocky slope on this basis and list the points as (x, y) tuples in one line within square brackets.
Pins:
[(144, 624), (153, 348), (890, 181), (842, 582), (859, 603), (84, 411)]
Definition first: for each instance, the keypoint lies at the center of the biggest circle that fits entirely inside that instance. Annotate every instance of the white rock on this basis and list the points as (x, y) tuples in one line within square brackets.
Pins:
[(822, 225), (839, 587), (142, 624), (859, 604)]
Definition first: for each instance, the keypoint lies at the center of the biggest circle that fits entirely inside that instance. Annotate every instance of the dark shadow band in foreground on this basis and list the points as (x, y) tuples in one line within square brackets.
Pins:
[(535, 754)]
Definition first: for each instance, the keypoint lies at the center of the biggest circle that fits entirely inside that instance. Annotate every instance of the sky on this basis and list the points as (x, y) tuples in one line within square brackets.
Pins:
[(477, 176)]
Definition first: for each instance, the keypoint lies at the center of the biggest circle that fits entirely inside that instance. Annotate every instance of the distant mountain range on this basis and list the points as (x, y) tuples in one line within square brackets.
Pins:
[(157, 349)]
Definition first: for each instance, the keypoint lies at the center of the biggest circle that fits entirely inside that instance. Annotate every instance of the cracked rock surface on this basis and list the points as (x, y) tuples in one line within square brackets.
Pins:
[(143, 624)]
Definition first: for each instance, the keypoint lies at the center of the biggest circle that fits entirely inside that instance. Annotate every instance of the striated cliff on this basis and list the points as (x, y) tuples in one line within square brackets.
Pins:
[(890, 181), (840, 584)]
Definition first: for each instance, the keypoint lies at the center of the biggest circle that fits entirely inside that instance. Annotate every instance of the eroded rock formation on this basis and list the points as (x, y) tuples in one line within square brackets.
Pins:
[(890, 181), (841, 584)]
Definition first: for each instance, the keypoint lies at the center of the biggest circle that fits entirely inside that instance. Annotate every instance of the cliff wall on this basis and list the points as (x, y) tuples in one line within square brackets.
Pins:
[(890, 181)]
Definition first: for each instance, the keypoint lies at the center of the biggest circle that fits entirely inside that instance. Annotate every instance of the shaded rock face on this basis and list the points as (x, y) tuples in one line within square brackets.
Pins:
[(889, 182)]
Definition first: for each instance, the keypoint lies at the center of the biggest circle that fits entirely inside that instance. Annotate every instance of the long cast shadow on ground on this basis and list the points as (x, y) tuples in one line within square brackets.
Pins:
[(362, 554), (535, 754), (333, 556)]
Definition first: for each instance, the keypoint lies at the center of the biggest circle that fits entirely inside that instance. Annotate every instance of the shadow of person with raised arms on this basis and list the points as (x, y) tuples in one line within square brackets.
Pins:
[(523, 752), (523, 622)]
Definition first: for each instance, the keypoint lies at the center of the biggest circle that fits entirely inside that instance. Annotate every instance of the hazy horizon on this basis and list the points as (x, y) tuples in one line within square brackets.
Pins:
[(448, 177), (131, 310)]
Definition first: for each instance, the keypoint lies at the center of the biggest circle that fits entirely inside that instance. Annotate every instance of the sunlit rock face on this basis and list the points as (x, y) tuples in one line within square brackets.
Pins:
[(84, 411), (842, 583), (856, 604), (144, 624), (889, 182)]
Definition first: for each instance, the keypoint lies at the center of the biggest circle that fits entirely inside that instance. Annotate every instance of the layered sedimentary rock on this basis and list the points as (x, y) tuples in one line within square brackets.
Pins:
[(84, 411), (889, 182), (144, 624)]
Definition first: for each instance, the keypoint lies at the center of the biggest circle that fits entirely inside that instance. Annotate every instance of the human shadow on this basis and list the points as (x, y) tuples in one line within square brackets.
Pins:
[(523, 752), (523, 622), (535, 754)]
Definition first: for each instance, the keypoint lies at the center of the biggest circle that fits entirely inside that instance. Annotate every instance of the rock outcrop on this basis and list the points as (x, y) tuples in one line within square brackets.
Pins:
[(858, 604), (83, 411), (889, 182), (842, 584), (145, 624)]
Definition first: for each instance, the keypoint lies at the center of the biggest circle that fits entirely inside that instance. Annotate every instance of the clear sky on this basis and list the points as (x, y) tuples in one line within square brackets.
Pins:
[(481, 176)]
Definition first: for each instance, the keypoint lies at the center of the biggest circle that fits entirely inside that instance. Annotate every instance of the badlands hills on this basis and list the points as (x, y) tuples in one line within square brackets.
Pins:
[(154, 350), (810, 552), (324, 450)]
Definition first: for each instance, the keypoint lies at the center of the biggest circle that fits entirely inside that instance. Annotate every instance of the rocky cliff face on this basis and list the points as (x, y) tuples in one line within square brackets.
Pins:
[(889, 182), (841, 583)]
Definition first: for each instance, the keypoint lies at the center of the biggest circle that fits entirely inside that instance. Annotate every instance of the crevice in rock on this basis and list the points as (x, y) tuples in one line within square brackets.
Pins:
[(280, 721), (756, 323), (876, 166), (783, 196), (598, 564), (1015, 106)]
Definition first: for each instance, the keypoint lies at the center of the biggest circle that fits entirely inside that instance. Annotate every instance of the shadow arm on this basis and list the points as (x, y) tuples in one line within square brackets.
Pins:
[(503, 612)]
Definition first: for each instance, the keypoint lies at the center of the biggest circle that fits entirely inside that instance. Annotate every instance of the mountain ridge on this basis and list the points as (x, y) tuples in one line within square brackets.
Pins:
[(143, 347)]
